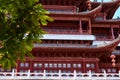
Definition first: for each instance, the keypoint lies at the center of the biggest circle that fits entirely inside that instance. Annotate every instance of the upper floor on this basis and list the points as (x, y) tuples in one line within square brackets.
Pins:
[(73, 17), (77, 6)]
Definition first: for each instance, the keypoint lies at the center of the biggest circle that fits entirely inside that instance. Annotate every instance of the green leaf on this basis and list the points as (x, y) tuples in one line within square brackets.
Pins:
[(18, 17)]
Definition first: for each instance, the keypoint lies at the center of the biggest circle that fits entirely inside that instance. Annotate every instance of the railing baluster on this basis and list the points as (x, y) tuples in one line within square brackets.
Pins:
[(105, 74), (90, 74), (28, 74), (13, 73), (75, 74), (44, 74), (59, 74)]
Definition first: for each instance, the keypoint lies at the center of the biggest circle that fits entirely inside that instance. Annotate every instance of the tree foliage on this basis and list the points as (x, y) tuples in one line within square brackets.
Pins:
[(20, 22)]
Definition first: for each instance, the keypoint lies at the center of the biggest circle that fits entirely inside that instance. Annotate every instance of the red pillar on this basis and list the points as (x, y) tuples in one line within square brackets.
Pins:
[(89, 26), (80, 27), (30, 64), (83, 67), (105, 16), (97, 67), (17, 66)]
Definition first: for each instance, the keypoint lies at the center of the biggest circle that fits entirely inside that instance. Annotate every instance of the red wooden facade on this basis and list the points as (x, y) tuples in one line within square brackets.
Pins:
[(73, 39)]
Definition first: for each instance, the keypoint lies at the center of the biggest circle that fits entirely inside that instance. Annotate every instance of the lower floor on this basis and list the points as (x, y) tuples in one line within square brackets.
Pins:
[(65, 64)]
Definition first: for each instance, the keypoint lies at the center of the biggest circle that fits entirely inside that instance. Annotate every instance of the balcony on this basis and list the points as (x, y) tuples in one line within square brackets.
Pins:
[(65, 31), (60, 9), (62, 31), (58, 76)]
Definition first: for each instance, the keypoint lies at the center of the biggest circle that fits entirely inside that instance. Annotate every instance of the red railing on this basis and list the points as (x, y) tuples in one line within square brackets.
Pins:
[(65, 31), (59, 8), (58, 76), (57, 31)]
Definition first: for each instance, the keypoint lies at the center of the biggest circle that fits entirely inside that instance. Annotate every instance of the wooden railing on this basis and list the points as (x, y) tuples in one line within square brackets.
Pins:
[(58, 76), (58, 8), (65, 31)]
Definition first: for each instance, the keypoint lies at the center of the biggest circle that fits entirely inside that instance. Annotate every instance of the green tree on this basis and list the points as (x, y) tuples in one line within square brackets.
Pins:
[(20, 22)]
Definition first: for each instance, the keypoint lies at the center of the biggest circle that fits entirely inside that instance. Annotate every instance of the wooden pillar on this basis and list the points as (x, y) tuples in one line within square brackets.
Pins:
[(83, 67), (66, 54), (112, 32), (42, 54), (69, 2), (65, 42), (118, 68), (97, 67), (64, 3), (53, 2), (71, 54), (84, 64), (30, 64), (48, 2), (80, 27), (17, 66), (104, 16), (89, 25), (59, 3)]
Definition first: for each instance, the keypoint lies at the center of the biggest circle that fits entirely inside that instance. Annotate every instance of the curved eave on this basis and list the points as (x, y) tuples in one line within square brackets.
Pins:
[(93, 11), (108, 7), (107, 21), (71, 49), (74, 49), (87, 13)]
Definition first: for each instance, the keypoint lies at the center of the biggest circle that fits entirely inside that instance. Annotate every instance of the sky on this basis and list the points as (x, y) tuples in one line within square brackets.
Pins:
[(117, 13)]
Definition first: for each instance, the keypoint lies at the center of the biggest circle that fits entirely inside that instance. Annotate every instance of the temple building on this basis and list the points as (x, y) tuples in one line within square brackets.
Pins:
[(82, 37)]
